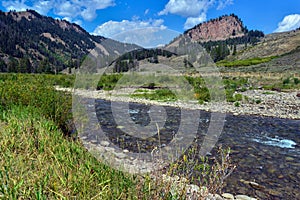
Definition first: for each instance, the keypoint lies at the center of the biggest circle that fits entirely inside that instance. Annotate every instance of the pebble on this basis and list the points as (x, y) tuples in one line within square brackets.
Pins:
[(94, 141), (110, 149), (125, 151), (213, 197), (228, 196), (243, 197), (120, 155), (104, 143)]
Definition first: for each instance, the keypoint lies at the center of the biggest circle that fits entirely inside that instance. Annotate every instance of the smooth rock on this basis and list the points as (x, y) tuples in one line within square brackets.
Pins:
[(213, 197), (227, 196), (104, 143), (120, 155), (243, 197), (125, 151), (110, 149), (94, 141)]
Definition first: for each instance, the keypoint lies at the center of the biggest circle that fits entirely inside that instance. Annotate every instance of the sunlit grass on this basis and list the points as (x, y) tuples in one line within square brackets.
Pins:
[(246, 62)]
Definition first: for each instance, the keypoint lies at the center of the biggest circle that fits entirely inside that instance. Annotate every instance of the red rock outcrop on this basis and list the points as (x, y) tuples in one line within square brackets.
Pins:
[(221, 28)]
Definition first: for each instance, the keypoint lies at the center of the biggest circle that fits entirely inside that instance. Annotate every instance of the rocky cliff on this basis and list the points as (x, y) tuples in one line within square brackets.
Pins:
[(221, 28)]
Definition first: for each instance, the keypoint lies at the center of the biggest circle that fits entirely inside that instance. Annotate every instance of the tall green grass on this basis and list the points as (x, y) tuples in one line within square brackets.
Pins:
[(38, 162), (38, 91)]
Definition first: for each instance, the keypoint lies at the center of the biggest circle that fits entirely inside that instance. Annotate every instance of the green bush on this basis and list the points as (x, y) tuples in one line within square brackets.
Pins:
[(296, 81), (237, 104), (286, 81), (108, 82)]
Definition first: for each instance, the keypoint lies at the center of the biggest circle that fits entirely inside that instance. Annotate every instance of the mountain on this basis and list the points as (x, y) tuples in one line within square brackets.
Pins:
[(30, 42), (222, 36), (222, 28)]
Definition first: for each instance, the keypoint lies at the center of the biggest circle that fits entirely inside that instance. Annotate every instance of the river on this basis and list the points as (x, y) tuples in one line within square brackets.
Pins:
[(266, 150)]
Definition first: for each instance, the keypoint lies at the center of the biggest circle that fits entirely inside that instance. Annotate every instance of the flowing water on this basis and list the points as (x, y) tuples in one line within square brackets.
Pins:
[(266, 150)]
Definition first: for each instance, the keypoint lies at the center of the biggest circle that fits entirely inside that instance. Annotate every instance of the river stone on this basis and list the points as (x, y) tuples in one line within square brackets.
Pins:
[(125, 151), (94, 141), (243, 197), (104, 143), (120, 155), (110, 149), (228, 196), (83, 137), (213, 197), (100, 150), (289, 159)]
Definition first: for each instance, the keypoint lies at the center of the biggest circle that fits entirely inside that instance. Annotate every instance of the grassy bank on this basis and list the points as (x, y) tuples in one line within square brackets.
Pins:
[(37, 161)]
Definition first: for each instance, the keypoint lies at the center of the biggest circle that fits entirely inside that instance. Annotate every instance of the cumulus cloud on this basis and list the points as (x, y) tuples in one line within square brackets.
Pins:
[(111, 28), (66, 9), (289, 22), (223, 4), (192, 21), (194, 10), (186, 8), (42, 7), (148, 34)]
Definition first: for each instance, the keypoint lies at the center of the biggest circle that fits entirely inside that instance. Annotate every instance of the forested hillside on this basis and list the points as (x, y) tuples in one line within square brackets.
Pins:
[(32, 43)]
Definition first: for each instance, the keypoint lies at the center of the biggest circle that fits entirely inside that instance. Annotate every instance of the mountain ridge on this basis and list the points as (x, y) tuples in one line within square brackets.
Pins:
[(32, 43)]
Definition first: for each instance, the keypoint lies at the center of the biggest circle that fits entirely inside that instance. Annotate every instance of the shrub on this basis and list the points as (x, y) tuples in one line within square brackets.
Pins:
[(237, 104), (286, 81), (296, 81)]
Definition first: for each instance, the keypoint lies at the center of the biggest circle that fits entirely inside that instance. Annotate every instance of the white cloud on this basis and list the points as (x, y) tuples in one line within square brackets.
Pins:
[(111, 28), (194, 10), (42, 7), (192, 21), (146, 12), (67, 9), (224, 3), (70, 9), (79, 22), (289, 22), (150, 33), (186, 8)]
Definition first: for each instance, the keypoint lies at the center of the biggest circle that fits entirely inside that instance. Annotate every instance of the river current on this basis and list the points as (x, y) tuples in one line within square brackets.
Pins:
[(266, 150)]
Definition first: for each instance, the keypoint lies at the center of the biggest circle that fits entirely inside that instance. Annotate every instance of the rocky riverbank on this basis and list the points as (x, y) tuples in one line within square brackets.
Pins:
[(254, 102)]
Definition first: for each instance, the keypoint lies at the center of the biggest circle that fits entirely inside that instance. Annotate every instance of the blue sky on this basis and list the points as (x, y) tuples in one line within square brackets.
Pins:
[(109, 17)]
